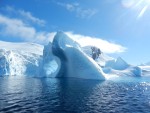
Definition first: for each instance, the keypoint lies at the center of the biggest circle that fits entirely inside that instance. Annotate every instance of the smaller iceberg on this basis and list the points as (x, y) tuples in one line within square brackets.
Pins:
[(118, 64), (121, 68)]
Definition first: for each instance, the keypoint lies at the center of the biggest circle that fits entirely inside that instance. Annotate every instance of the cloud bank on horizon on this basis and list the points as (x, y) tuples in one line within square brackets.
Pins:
[(22, 28)]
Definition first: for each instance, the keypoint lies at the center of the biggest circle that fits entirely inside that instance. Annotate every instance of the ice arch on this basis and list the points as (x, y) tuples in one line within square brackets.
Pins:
[(73, 62)]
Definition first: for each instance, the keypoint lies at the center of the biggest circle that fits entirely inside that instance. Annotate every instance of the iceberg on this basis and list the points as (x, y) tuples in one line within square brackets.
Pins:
[(121, 68), (71, 60)]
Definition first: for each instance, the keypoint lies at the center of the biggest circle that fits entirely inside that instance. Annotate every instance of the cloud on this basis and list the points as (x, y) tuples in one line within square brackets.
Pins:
[(88, 13), (80, 12), (17, 28), (26, 15), (105, 46), (29, 16), (69, 7)]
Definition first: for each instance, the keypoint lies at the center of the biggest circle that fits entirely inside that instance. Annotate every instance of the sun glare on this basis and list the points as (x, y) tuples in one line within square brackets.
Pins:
[(147, 1), (139, 5)]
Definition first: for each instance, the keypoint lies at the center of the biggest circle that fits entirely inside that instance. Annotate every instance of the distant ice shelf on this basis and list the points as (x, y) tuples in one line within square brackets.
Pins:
[(20, 58)]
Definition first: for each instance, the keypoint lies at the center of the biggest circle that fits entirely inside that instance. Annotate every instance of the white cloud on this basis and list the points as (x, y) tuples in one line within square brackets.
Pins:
[(14, 27), (69, 7), (85, 13), (26, 15), (17, 28), (80, 12), (104, 45), (29, 16)]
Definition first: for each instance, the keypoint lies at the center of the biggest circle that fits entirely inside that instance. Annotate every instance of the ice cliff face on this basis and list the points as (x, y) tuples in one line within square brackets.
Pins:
[(20, 58)]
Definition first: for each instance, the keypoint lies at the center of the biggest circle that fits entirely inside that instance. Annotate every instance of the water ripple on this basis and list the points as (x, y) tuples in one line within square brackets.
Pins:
[(47, 95)]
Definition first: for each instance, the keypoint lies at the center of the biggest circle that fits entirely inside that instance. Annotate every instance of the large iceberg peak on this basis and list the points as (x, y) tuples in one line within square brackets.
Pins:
[(73, 62), (64, 41)]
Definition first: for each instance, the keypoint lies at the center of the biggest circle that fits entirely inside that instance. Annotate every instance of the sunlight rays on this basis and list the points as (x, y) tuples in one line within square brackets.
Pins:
[(142, 11), (139, 5)]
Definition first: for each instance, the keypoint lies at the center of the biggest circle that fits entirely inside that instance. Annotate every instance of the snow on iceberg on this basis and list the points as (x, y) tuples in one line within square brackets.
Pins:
[(73, 61)]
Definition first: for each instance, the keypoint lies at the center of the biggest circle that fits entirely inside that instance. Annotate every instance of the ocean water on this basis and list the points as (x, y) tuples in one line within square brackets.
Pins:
[(47, 95)]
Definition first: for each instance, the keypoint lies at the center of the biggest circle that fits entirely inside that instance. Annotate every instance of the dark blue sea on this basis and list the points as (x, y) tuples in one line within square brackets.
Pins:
[(49, 95)]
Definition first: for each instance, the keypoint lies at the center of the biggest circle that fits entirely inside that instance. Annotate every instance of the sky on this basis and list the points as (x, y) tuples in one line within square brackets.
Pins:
[(118, 27)]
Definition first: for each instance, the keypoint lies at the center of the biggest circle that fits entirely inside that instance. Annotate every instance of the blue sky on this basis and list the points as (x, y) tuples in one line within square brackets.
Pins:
[(122, 26)]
